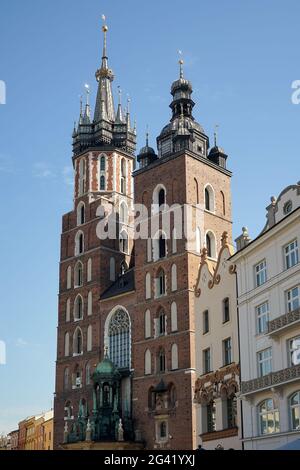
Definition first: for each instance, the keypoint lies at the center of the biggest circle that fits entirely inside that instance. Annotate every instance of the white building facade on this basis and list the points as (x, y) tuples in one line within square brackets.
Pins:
[(268, 279), (217, 352)]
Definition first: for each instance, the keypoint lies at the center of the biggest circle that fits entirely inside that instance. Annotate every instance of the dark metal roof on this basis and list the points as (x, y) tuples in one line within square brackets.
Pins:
[(123, 284)]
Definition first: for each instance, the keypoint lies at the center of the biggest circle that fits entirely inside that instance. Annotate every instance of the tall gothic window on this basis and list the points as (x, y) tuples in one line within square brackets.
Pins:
[(162, 246), (161, 197), (102, 164), (119, 336), (102, 183), (123, 176)]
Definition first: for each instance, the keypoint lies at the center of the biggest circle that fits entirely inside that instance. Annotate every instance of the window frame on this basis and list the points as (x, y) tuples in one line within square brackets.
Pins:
[(261, 361), (289, 253), (259, 272)]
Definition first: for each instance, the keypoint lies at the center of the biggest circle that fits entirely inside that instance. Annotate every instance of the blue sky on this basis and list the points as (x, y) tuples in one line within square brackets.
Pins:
[(241, 58)]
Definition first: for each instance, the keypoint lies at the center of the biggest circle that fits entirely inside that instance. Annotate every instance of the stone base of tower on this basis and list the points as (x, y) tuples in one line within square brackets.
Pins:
[(92, 445)]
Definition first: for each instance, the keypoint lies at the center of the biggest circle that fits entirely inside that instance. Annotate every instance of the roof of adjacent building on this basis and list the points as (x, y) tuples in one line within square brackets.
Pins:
[(122, 285)]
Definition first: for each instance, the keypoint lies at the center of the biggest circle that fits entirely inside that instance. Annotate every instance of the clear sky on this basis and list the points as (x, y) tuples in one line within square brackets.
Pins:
[(241, 57)]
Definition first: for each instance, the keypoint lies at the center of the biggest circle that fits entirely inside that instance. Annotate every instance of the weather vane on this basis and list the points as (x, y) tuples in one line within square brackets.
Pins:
[(216, 134)]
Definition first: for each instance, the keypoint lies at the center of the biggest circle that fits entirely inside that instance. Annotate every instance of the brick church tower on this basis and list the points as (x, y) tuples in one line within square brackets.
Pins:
[(126, 320), (184, 178), (103, 161)]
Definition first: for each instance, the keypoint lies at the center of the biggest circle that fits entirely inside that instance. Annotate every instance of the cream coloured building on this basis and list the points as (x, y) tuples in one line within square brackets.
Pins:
[(217, 352), (268, 275)]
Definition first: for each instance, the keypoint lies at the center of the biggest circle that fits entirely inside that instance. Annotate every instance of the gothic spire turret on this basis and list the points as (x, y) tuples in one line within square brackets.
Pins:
[(104, 77)]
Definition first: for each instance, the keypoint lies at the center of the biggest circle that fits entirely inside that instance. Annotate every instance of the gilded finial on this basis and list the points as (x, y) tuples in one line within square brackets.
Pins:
[(104, 29), (128, 104), (147, 136), (81, 106)]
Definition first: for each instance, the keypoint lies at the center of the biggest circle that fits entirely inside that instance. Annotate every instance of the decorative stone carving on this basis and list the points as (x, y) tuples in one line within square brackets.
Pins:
[(221, 383)]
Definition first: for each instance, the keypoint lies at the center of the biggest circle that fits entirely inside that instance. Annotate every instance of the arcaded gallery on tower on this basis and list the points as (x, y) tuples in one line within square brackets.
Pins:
[(149, 348)]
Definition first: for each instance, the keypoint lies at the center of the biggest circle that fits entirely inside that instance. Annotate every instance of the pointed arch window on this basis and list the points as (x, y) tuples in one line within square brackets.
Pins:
[(103, 163), (66, 378), (161, 283), (123, 176), (78, 308), (161, 197), (78, 274), (210, 245), (162, 246), (209, 198), (161, 361), (102, 183), (119, 337), (162, 323), (124, 241), (78, 342), (79, 243), (80, 213)]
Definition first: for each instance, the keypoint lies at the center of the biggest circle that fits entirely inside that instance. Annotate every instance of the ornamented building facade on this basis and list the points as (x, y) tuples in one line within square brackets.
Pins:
[(126, 326), (268, 274), (217, 386)]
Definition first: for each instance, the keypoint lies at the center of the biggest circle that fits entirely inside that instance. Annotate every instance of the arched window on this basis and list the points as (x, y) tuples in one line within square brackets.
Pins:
[(77, 342), (162, 319), (123, 176), (69, 277), (161, 361), (174, 326), (90, 303), (66, 378), (78, 308), (80, 213), (68, 310), (173, 395), (102, 183), (124, 241), (160, 283), (211, 416), (89, 270), (294, 405), (88, 374), (174, 277), (209, 198), (147, 324), (123, 213), (211, 245), (67, 344), (119, 336), (103, 163), (163, 430), (79, 243), (161, 198), (162, 246), (68, 410), (231, 405), (89, 346), (174, 356), (77, 377), (78, 278), (223, 203), (147, 362), (268, 417), (148, 286)]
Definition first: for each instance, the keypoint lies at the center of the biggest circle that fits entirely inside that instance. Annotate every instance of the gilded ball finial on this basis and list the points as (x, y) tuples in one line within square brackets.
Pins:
[(104, 28), (180, 61)]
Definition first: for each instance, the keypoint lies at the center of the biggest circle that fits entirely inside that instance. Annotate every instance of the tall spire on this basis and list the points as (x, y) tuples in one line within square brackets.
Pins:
[(104, 77), (119, 117), (87, 111), (128, 114)]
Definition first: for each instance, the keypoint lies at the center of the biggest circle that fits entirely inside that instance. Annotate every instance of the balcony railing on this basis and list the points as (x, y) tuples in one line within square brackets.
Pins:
[(283, 321), (271, 380)]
